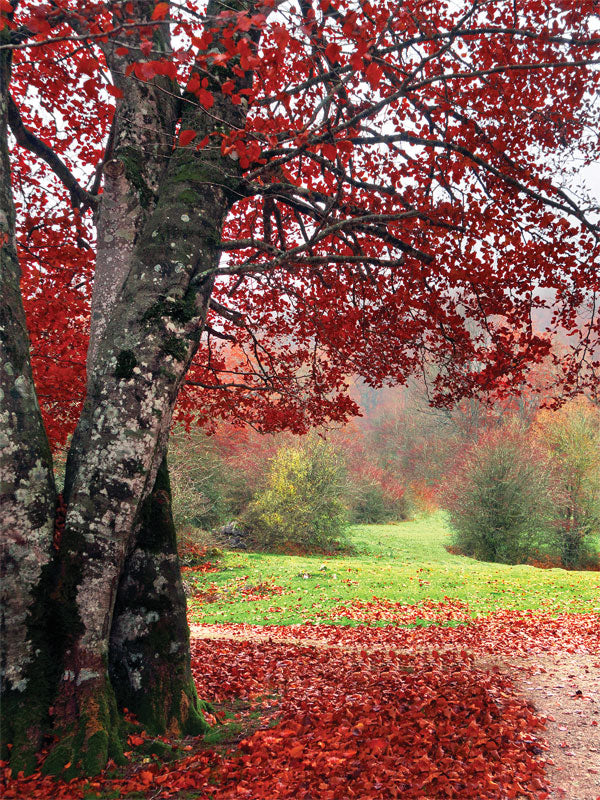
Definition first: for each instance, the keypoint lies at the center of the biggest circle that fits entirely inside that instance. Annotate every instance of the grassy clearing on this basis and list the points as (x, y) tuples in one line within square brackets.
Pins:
[(405, 563)]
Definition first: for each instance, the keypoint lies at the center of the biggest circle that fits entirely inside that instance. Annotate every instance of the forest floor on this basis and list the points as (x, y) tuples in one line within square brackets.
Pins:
[(563, 687), (540, 628), (397, 670)]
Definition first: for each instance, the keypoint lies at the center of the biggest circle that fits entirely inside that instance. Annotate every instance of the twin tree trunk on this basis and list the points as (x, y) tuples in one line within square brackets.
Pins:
[(119, 635)]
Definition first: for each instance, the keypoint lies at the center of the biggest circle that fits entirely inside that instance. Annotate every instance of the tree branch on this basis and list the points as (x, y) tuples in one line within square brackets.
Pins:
[(80, 198)]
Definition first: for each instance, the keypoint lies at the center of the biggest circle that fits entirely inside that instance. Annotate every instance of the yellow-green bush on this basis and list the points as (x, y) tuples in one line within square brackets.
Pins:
[(302, 505)]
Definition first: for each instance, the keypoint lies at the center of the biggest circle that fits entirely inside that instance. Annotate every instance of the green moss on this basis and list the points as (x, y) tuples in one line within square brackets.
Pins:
[(188, 197), (87, 742), (194, 723), (158, 310), (96, 753), (21, 725), (222, 734), (133, 160), (181, 309), (58, 758), (192, 171), (126, 361), (196, 170), (173, 346), (186, 307)]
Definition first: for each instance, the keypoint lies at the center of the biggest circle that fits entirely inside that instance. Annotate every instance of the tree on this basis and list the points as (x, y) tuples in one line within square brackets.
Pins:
[(572, 438), (499, 497), (328, 188), (301, 505)]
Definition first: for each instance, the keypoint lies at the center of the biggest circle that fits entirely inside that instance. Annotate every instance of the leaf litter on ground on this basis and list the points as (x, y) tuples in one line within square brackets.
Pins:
[(379, 712)]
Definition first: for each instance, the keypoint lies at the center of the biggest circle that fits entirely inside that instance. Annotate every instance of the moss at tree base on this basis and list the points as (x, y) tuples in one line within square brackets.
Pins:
[(22, 723), (85, 744)]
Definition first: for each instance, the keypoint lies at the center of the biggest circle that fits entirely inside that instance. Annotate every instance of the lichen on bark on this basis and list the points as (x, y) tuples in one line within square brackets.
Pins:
[(118, 599), (28, 498), (149, 645)]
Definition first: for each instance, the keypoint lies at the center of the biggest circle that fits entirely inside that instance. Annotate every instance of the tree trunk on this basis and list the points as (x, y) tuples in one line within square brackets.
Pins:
[(140, 365), (27, 499), (149, 656), (118, 594)]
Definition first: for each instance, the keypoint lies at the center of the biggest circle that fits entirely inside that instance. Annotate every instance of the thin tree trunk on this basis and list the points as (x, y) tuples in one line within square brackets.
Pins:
[(27, 500)]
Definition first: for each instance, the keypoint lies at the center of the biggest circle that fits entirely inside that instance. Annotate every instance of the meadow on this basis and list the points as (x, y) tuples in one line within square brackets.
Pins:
[(405, 563)]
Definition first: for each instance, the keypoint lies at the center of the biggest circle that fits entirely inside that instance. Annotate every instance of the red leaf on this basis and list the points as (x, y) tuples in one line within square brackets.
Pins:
[(244, 23), (87, 66), (114, 91), (185, 137), (205, 98), (332, 51), (160, 11), (373, 74)]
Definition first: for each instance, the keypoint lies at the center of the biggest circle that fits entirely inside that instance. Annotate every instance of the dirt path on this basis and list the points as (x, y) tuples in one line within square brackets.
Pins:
[(563, 687)]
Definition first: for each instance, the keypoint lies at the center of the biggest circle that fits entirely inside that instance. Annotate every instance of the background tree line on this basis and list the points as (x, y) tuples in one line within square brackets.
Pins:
[(521, 483)]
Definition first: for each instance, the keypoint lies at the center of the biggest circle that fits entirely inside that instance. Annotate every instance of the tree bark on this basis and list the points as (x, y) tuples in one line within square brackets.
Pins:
[(143, 131), (149, 655), (141, 362), (118, 600), (27, 499)]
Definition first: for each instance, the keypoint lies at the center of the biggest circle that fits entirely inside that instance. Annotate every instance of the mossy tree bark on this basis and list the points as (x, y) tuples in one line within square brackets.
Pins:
[(149, 656), (27, 498), (117, 595), (141, 361)]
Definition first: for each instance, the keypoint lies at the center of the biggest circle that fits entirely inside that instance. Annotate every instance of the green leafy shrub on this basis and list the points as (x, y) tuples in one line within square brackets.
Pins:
[(371, 504), (572, 438), (301, 506), (499, 499)]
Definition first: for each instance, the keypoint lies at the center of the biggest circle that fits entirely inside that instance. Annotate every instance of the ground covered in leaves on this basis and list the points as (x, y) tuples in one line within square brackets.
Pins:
[(411, 673), (322, 712)]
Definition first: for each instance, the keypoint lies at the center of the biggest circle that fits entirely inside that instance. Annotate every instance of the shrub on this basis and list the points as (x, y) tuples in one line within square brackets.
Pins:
[(198, 480), (301, 505), (572, 438), (367, 503), (499, 500), (197, 548), (370, 503)]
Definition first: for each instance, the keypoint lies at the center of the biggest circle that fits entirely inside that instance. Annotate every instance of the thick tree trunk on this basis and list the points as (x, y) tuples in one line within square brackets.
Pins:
[(27, 500), (118, 593), (142, 359), (149, 656), (132, 177)]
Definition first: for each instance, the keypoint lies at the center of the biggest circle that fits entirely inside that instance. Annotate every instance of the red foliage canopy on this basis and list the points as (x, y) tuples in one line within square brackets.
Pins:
[(407, 195)]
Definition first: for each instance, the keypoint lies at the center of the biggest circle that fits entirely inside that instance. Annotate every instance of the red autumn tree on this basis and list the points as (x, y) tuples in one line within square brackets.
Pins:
[(330, 187)]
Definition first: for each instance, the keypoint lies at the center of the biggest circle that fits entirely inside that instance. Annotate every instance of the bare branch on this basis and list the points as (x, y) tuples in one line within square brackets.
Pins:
[(80, 197)]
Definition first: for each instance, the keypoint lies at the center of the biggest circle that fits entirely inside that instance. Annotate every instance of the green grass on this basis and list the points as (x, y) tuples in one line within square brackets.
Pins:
[(406, 562)]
